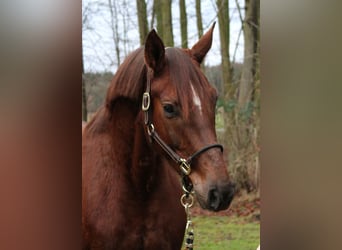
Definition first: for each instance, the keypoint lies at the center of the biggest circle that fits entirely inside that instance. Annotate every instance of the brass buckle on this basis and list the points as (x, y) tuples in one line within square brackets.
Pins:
[(185, 167), (146, 101)]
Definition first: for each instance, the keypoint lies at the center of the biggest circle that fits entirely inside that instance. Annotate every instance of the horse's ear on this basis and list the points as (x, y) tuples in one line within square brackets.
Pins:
[(201, 48), (154, 52)]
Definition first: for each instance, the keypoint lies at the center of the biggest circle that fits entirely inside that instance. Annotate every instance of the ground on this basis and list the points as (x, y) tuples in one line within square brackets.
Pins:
[(237, 228)]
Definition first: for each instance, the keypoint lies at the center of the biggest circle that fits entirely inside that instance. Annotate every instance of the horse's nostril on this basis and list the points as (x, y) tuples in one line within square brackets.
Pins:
[(219, 198), (214, 199)]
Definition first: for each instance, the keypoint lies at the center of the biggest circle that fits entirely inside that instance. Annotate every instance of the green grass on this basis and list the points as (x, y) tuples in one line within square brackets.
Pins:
[(225, 233)]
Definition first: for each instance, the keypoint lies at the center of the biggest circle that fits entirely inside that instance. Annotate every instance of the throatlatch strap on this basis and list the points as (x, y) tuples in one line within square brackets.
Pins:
[(189, 160)]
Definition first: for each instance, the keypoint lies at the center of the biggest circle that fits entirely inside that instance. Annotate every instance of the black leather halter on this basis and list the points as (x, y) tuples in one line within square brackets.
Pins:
[(183, 163)]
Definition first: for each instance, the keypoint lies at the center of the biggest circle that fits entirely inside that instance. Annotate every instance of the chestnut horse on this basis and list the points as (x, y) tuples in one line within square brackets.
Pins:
[(132, 153)]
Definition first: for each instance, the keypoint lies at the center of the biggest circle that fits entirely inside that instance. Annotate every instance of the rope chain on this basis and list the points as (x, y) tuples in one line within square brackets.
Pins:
[(187, 201)]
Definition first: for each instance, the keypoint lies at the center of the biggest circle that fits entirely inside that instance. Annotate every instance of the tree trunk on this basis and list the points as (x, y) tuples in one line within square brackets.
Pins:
[(256, 34), (223, 18), (153, 15), (250, 28), (125, 26), (247, 121), (231, 123), (158, 7), (142, 20), (199, 27), (167, 23), (183, 23), (228, 91), (114, 27), (162, 9), (199, 19)]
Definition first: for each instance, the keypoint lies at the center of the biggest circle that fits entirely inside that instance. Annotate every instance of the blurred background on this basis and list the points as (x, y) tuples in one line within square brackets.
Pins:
[(40, 112)]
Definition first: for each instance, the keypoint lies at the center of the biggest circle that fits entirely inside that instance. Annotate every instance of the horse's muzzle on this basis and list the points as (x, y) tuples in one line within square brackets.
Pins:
[(220, 197)]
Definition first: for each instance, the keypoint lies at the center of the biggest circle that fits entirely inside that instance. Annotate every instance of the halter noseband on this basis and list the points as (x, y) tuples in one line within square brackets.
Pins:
[(184, 164)]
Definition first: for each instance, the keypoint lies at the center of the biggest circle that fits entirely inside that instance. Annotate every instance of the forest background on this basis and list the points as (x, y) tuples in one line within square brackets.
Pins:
[(111, 29)]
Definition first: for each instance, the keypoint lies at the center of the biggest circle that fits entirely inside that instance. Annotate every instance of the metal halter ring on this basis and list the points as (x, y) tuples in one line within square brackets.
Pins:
[(187, 200), (150, 129), (185, 166)]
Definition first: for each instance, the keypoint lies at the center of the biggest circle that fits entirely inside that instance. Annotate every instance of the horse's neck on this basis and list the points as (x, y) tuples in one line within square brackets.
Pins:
[(131, 155), (146, 165), (136, 154)]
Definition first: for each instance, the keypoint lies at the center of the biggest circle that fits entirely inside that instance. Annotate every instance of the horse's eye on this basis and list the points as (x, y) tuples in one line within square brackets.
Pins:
[(170, 110)]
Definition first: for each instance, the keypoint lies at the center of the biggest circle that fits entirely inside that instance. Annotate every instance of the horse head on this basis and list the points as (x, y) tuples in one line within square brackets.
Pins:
[(181, 110)]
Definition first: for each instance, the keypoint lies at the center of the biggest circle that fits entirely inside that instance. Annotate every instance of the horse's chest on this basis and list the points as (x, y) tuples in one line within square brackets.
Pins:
[(142, 234), (127, 221), (160, 227)]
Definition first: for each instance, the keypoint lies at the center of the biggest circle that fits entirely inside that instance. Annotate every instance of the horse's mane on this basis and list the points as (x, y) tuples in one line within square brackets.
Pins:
[(129, 80)]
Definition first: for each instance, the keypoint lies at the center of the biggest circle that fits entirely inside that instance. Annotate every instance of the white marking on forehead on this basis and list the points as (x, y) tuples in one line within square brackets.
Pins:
[(196, 99)]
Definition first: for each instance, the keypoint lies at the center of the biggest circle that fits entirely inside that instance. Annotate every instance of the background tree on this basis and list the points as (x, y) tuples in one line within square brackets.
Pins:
[(223, 19), (247, 109), (241, 116), (167, 23), (162, 10), (85, 26), (183, 24), (199, 27), (250, 29), (126, 18), (114, 27), (199, 19), (142, 20), (228, 93), (158, 9)]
